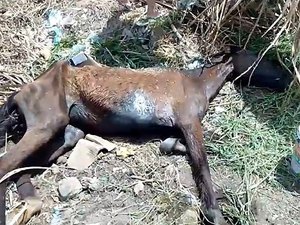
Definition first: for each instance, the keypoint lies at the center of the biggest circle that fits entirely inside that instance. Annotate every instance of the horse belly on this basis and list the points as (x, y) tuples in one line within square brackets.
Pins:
[(136, 112)]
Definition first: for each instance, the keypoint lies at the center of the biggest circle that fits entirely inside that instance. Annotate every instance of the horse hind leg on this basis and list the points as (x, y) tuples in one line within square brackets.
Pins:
[(42, 122), (63, 142)]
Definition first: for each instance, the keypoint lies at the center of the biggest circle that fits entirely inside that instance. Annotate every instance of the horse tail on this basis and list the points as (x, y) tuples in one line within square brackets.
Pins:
[(9, 119)]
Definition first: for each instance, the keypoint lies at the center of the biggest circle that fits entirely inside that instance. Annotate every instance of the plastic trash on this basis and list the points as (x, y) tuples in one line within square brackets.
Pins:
[(187, 4), (55, 23), (57, 218), (78, 48), (93, 38), (195, 64), (54, 18), (57, 35)]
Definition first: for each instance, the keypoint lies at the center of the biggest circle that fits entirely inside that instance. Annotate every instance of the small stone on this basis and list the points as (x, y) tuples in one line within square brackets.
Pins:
[(138, 188), (189, 217), (69, 187), (55, 169), (92, 183)]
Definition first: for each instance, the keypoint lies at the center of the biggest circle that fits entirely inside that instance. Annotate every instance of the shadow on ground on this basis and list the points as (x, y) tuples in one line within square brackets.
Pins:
[(128, 43)]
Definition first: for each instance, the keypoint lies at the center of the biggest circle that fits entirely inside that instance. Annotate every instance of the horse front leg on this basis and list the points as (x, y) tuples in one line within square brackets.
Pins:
[(193, 133)]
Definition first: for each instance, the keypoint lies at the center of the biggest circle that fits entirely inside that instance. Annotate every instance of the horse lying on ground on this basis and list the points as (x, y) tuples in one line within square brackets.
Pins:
[(66, 101), (116, 101)]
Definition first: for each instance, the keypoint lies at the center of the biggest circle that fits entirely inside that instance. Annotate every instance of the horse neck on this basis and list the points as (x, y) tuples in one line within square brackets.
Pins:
[(211, 82)]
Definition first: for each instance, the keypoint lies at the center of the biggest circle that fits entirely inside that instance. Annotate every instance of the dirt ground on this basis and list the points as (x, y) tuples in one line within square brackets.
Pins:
[(169, 190)]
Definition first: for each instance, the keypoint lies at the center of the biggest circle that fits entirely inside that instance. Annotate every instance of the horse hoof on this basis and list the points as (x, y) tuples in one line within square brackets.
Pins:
[(172, 145), (215, 217), (21, 215)]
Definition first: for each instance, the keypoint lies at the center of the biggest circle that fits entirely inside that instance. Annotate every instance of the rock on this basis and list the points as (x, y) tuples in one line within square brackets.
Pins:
[(109, 146), (138, 188), (55, 169), (189, 217), (69, 187), (83, 155), (91, 183)]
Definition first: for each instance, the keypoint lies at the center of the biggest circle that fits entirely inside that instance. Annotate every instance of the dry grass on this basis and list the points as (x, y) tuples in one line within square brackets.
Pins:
[(246, 125)]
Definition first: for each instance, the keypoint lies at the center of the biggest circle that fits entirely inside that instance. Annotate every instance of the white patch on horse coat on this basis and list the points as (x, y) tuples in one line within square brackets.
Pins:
[(142, 105)]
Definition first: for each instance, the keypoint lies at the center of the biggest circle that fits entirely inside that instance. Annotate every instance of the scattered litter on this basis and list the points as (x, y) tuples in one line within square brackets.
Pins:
[(54, 18), (77, 48), (138, 188), (120, 169), (55, 23), (69, 187), (56, 219), (93, 38), (146, 47), (55, 169), (125, 152), (23, 212), (78, 59), (187, 4), (84, 154), (109, 146), (46, 53), (15, 215), (194, 65)]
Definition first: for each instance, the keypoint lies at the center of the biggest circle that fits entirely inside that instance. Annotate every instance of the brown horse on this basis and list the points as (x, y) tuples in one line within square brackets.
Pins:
[(68, 101), (52, 113)]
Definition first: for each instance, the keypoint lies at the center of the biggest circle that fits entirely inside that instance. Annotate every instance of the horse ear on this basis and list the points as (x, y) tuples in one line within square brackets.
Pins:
[(217, 59), (231, 49)]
